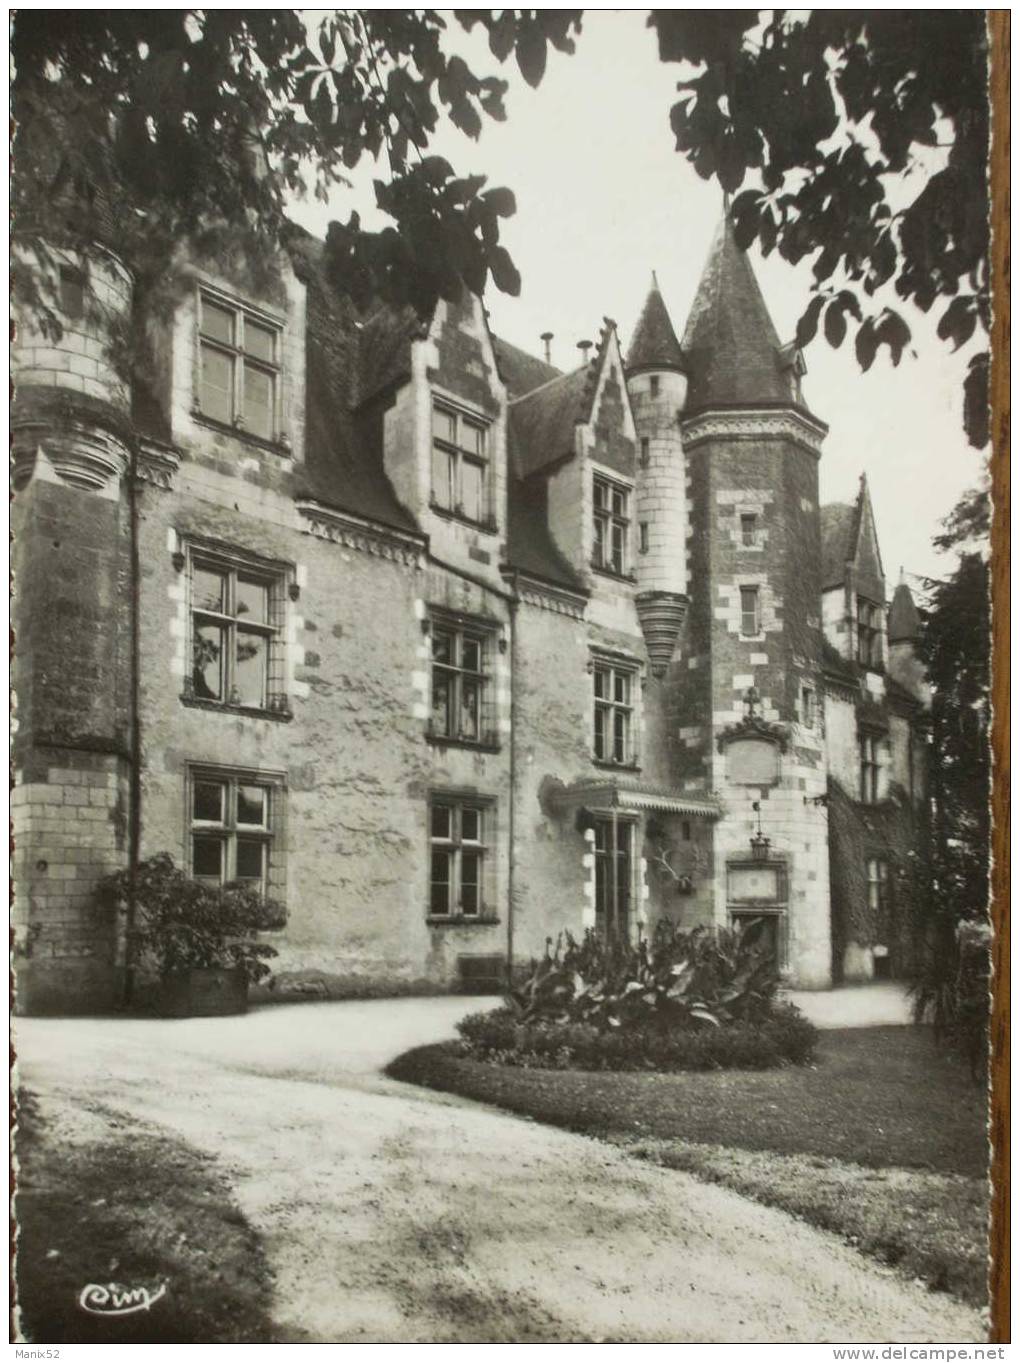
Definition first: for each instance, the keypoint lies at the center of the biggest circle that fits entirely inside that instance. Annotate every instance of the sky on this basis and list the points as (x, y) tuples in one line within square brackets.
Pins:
[(603, 198)]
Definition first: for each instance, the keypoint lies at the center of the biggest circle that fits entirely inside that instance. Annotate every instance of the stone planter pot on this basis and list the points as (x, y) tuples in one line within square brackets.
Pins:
[(205, 992)]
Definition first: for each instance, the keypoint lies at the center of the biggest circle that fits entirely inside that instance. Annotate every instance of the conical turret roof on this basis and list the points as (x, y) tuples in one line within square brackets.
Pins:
[(732, 353), (904, 620), (654, 344)]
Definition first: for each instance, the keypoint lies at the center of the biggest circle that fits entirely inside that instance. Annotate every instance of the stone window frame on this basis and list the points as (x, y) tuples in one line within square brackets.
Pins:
[(808, 706), (870, 766), (280, 580), (879, 884), (229, 830), (240, 357), (459, 455), (870, 641), (626, 824), (777, 909), (749, 529), (489, 635), (755, 589), (624, 665), (611, 524), (454, 846)]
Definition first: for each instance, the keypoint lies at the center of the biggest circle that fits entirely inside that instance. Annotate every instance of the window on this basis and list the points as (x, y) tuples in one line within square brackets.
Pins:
[(233, 824), (750, 614), (613, 876), (457, 838), (653, 386), (643, 537), (460, 471), (869, 633), (461, 684), (870, 768), (807, 707), (685, 830), (237, 637), (644, 452), (614, 714), (878, 889), (611, 526), (239, 367), (748, 530), (72, 291)]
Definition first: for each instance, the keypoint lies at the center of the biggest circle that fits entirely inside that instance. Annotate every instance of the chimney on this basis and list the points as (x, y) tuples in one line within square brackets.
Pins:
[(584, 347), (546, 339)]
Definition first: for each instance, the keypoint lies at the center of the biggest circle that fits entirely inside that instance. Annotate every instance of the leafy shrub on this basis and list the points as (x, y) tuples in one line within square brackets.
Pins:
[(785, 1038), (685, 1000), (710, 976), (181, 924)]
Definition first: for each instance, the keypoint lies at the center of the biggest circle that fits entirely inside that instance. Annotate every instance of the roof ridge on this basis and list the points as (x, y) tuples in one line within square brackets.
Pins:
[(558, 378)]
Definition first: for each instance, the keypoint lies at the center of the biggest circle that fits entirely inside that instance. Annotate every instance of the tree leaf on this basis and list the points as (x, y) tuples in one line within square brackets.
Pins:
[(531, 52)]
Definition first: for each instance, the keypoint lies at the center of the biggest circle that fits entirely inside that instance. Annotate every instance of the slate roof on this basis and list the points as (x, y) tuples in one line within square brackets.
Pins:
[(654, 344), (839, 533), (343, 465), (543, 421), (530, 545), (904, 620), (732, 353), (520, 371)]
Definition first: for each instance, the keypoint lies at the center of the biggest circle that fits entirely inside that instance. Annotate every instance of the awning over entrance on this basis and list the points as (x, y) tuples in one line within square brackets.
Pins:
[(614, 793)]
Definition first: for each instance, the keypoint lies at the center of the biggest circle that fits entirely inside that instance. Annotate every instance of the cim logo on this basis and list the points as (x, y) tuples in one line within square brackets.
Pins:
[(113, 1299)]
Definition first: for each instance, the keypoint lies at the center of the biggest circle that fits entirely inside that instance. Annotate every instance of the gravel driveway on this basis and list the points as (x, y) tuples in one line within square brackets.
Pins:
[(391, 1213)]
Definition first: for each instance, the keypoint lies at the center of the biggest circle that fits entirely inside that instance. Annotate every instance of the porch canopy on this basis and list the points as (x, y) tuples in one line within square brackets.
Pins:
[(617, 793)]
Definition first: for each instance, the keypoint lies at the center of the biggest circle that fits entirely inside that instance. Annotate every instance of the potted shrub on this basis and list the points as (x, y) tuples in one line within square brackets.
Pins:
[(200, 941)]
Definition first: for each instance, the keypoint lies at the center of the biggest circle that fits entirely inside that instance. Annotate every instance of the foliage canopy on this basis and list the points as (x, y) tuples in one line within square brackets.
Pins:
[(830, 115)]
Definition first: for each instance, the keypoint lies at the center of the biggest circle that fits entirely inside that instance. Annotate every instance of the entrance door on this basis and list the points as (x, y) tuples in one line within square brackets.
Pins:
[(760, 930), (614, 864)]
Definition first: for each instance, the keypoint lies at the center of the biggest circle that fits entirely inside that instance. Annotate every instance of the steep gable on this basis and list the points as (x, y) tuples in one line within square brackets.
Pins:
[(866, 557)]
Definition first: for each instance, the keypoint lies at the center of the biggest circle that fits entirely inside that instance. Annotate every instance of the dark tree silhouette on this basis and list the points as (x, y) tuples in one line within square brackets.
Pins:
[(824, 116)]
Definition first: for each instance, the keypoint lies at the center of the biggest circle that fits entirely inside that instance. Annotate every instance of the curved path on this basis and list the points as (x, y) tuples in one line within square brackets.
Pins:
[(391, 1213)]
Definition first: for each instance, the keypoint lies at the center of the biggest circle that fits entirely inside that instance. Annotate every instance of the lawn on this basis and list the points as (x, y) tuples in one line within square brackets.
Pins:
[(882, 1139), (136, 1207)]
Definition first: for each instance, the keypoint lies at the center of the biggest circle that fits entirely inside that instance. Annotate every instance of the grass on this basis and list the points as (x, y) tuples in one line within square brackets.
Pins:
[(882, 1140), (138, 1208)]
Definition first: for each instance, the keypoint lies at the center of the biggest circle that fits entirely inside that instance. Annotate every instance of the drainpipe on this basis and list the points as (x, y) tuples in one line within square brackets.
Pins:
[(511, 821), (135, 781)]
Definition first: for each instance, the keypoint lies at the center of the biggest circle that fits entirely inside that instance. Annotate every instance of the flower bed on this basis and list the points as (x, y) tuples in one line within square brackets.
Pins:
[(683, 1001)]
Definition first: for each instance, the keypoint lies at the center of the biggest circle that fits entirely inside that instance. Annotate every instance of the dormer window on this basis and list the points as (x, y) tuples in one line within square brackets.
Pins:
[(869, 633), (460, 465), (239, 367), (611, 526)]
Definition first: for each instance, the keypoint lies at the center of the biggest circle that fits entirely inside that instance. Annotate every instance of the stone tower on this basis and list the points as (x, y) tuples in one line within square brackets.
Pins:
[(657, 386), (72, 611), (752, 730)]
